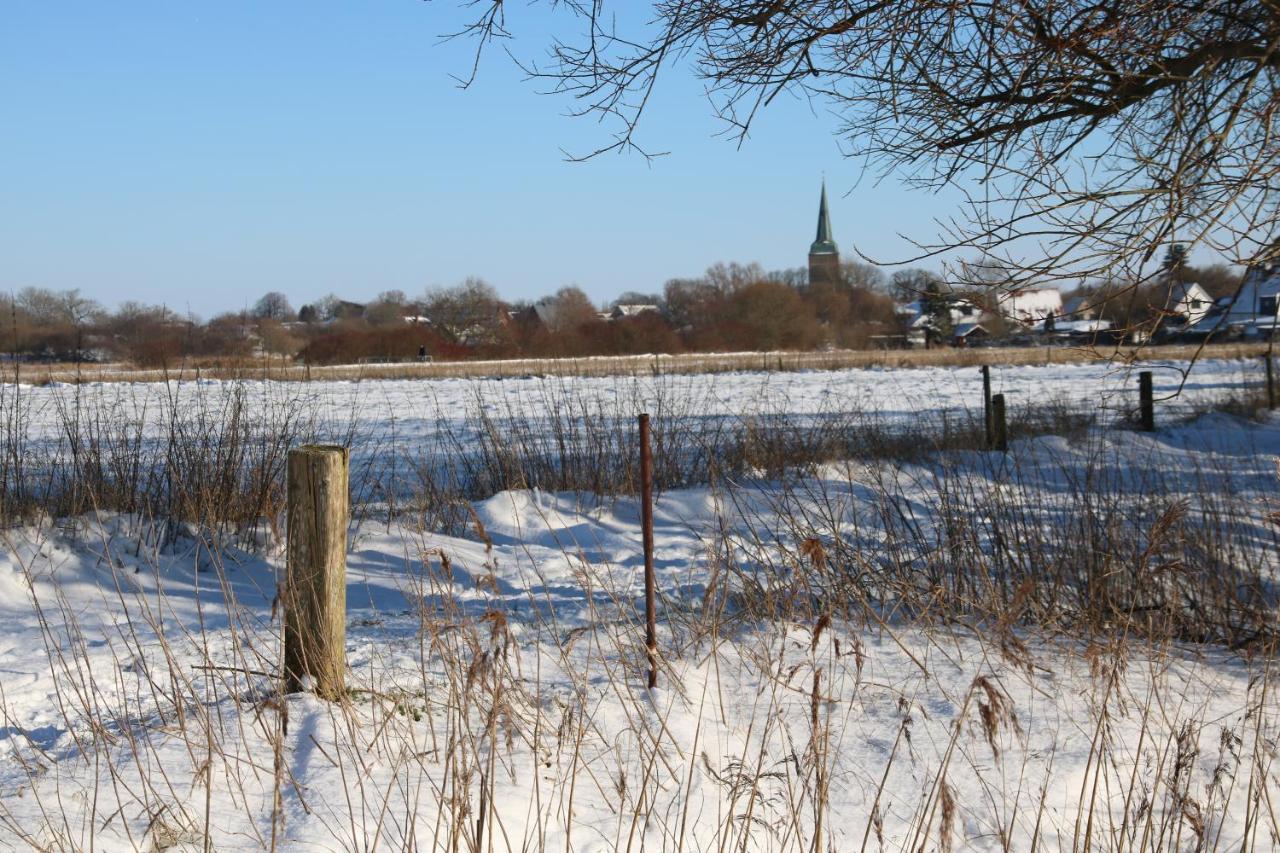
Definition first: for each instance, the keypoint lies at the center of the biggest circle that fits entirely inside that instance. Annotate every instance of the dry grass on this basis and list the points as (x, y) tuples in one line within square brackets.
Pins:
[(479, 721), (633, 365), (211, 457), (483, 725)]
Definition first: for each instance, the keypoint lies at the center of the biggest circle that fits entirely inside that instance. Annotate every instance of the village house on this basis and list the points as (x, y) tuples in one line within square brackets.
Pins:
[(1079, 308), (1252, 313), (622, 311), (969, 334), (1062, 329), (1028, 307), (922, 327), (1186, 303)]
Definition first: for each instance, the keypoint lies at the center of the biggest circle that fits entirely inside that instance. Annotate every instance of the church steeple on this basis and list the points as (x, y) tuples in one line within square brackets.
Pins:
[(824, 257), (823, 244)]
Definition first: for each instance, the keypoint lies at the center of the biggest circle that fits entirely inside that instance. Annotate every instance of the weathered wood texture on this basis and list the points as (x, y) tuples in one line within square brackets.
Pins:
[(315, 588), (986, 405), (999, 426), (1146, 402), (1271, 381)]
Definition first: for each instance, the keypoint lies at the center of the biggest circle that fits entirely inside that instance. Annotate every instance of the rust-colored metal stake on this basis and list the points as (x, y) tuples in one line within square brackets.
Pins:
[(646, 524)]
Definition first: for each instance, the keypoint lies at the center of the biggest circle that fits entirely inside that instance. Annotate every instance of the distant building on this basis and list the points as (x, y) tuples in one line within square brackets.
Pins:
[(630, 310), (1079, 308), (545, 312), (922, 327), (824, 257), (1059, 329), (1187, 302), (1030, 306), (969, 334), (1253, 311), (343, 310)]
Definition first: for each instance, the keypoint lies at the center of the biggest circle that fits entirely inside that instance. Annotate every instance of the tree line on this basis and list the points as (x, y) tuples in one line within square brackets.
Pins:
[(730, 307)]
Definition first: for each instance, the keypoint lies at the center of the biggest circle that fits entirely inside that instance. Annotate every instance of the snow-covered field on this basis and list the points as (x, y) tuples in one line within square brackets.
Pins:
[(417, 411), (824, 686)]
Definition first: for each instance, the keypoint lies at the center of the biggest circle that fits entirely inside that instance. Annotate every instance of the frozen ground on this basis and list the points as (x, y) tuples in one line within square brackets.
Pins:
[(497, 698)]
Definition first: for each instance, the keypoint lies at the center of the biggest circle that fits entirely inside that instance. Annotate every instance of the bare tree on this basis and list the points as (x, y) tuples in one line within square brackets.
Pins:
[(571, 308), (1086, 134), (634, 297), (51, 308), (692, 301), (273, 306), (57, 321), (856, 274), (391, 307), (470, 312), (1218, 279), (910, 284), (276, 339)]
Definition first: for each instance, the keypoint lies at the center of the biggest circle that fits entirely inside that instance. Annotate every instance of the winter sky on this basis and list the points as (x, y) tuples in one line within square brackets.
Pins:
[(198, 154)]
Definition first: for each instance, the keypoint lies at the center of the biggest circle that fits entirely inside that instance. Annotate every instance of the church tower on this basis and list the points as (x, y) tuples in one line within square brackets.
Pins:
[(824, 257)]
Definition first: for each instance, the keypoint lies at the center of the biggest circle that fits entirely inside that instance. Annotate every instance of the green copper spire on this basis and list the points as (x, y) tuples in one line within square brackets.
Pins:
[(824, 244)]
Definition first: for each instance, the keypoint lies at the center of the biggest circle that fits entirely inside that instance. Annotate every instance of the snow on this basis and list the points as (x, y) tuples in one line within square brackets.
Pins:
[(136, 710), (1028, 306), (416, 413)]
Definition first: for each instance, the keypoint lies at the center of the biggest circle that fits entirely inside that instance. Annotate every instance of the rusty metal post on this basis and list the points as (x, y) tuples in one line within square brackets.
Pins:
[(646, 523), (1146, 402), (986, 404), (999, 426)]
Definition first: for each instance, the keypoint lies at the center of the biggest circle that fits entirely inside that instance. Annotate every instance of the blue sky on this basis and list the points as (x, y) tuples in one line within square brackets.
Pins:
[(199, 154)]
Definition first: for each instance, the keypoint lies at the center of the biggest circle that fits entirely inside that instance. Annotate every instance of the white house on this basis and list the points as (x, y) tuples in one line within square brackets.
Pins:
[(1189, 301), (1080, 308), (1030, 306), (1253, 312), (921, 329), (966, 334), (623, 310), (916, 315)]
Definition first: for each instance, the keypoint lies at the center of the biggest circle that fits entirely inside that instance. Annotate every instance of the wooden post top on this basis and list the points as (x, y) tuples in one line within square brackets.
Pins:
[(320, 449)]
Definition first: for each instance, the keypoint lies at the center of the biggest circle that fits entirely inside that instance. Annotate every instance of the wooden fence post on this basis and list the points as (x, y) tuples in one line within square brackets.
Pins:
[(999, 425), (986, 404), (1271, 382), (646, 524), (1146, 402), (315, 588)]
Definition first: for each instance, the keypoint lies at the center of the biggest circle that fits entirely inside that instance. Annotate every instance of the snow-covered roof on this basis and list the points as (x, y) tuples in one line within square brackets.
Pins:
[(623, 311), (964, 330), (1256, 301), (918, 318), (632, 309), (1028, 305), (1078, 305), (1184, 290), (1077, 327)]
